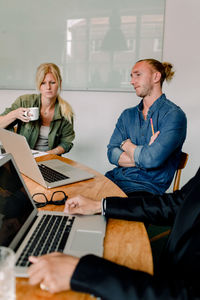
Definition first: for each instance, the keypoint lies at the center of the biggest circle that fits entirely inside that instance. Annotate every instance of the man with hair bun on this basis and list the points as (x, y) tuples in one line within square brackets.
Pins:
[(147, 141)]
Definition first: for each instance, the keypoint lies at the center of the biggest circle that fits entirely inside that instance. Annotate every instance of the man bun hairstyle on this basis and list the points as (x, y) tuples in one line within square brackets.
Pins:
[(165, 69), (168, 70)]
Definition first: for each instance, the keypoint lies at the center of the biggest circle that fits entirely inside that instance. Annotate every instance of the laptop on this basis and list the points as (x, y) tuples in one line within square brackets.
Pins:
[(23, 227), (41, 172)]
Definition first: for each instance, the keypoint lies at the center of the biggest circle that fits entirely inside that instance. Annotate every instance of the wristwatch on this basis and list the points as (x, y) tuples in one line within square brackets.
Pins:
[(122, 143), (103, 206)]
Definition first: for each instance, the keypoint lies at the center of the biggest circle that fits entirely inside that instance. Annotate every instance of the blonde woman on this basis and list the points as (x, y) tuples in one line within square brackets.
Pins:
[(53, 132)]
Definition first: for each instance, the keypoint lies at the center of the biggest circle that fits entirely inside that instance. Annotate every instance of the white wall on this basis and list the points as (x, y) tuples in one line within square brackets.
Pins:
[(97, 112), (182, 47)]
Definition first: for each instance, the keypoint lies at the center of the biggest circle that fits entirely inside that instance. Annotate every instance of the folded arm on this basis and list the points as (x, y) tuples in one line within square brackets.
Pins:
[(171, 137), (126, 159)]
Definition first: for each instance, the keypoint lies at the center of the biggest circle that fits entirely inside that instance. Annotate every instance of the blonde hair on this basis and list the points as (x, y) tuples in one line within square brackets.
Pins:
[(42, 70), (164, 68)]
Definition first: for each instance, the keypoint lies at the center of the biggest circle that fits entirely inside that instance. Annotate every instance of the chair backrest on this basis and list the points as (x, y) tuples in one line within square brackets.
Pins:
[(181, 166)]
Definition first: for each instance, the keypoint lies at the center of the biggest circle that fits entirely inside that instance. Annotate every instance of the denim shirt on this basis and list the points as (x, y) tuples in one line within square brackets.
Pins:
[(155, 165)]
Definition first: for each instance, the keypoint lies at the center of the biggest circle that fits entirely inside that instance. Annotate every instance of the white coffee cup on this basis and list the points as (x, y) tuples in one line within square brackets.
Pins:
[(7, 274), (33, 113)]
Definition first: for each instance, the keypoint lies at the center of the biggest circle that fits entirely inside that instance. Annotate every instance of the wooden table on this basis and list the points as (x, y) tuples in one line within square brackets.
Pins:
[(125, 243)]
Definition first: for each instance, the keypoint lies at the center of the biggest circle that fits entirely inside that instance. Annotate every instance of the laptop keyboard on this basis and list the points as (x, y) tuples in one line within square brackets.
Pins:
[(50, 175), (50, 235)]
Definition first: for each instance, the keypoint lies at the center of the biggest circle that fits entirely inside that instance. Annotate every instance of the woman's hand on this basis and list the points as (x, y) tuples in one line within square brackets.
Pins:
[(57, 151), (19, 113)]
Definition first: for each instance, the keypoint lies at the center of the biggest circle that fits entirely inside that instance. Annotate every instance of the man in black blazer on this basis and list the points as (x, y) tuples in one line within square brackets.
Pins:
[(178, 275)]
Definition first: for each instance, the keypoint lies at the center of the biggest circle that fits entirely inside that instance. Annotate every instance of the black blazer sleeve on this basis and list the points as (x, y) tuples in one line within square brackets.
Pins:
[(179, 274), (154, 209), (109, 281)]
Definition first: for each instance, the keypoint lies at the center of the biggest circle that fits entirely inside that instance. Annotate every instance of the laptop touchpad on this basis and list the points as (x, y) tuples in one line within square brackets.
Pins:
[(84, 240)]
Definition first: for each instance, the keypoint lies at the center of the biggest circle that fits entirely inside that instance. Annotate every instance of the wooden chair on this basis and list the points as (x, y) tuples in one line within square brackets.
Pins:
[(176, 185), (181, 166)]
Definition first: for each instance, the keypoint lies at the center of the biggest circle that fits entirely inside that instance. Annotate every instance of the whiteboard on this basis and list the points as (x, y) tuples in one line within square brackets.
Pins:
[(94, 42)]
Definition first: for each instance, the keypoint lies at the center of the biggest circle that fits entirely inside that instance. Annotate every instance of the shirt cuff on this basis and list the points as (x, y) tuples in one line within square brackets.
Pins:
[(137, 154), (115, 155), (103, 206)]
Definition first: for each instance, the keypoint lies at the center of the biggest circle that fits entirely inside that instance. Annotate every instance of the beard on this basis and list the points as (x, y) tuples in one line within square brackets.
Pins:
[(143, 91)]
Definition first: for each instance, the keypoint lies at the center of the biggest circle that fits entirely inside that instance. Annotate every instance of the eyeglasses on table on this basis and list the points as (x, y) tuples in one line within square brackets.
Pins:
[(57, 198)]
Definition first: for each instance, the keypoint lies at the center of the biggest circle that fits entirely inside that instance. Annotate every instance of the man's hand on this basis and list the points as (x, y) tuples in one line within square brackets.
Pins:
[(128, 146), (154, 137), (126, 158), (82, 206), (53, 271)]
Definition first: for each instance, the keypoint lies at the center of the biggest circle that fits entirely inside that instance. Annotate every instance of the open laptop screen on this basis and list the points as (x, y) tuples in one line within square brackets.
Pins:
[(15, 205)]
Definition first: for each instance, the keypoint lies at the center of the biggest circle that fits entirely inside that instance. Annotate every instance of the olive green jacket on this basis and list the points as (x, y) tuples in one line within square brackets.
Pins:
[(61, 131)]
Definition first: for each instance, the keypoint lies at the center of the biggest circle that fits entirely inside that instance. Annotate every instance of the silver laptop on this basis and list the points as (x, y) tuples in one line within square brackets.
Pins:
[(23, 227), (41, 172)]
